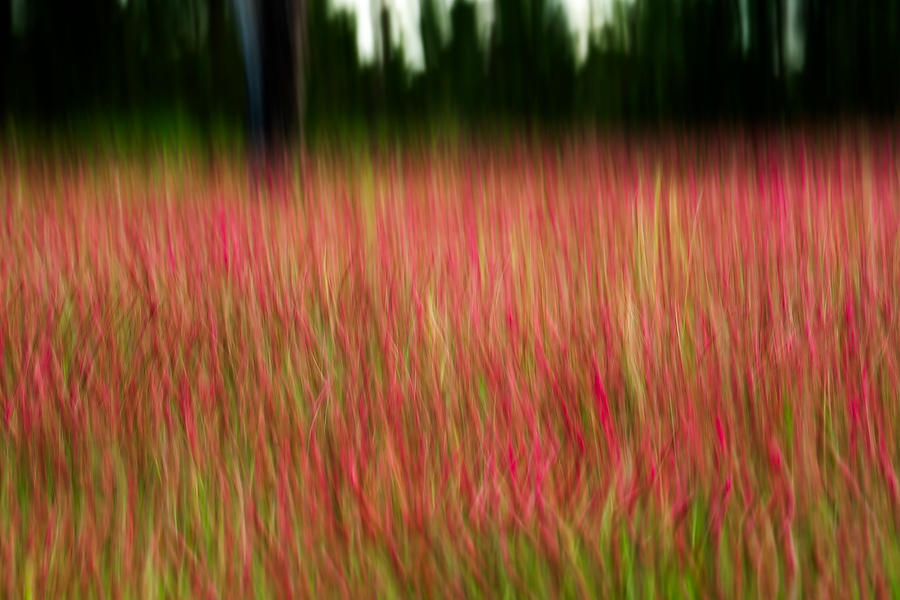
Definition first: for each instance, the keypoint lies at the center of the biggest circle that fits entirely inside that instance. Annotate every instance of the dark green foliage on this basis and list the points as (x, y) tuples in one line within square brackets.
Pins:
[(335, 84), (654, 61), (853, 54), (532, 63), (141, 55), (465, 60), (5, 50)]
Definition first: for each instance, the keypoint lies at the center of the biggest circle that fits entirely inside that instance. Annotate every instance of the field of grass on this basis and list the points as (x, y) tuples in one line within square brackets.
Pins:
[(586, 368)]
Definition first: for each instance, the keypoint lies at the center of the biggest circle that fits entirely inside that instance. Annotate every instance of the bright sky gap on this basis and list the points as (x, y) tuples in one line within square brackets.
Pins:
[(584, 16)]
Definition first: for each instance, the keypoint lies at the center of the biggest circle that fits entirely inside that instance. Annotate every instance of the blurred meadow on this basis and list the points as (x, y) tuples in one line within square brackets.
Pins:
[(562, 309)]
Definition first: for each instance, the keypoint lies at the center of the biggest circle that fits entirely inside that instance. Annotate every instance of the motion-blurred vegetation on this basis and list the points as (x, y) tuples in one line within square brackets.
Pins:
[(652, 61)]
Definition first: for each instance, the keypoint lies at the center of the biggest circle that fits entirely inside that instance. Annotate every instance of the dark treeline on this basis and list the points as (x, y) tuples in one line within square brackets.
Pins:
[(654, 60), (66, 57)]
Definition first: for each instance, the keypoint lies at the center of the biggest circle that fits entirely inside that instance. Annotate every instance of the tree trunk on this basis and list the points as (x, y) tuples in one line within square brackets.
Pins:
[(248, 23)]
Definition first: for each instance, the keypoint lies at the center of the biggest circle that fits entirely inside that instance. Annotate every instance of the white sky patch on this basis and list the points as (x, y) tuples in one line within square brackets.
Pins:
[(404, 16), (578, 13), (583, 16), (365, 39), (405, 29)]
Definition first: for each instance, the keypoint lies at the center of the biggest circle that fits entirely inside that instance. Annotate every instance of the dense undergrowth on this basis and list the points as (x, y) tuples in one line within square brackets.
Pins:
[(589, 368)]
